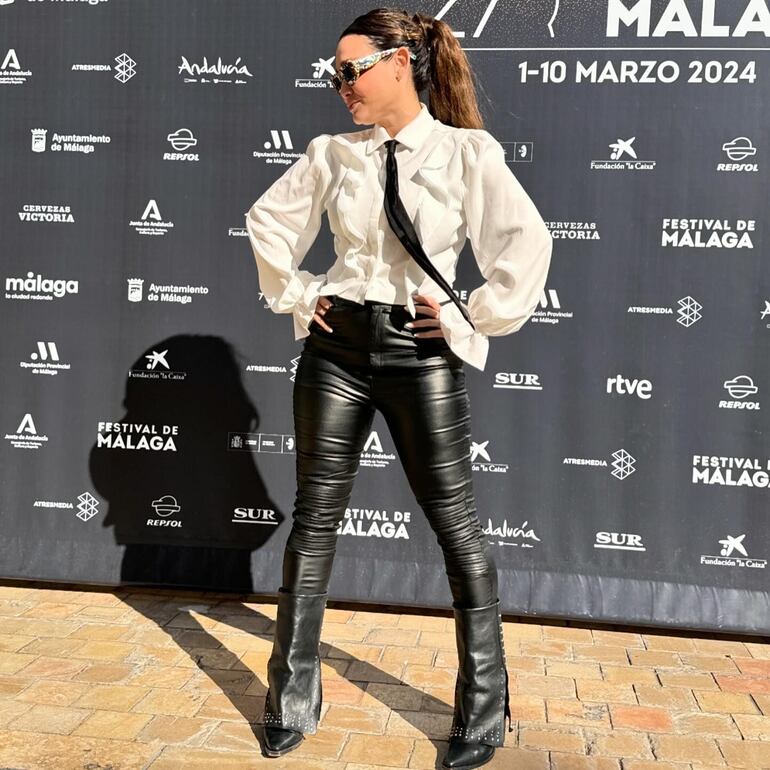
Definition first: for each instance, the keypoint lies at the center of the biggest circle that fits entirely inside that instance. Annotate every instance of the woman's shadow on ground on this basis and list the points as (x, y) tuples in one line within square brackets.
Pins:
[(194, 625), (187, 501)]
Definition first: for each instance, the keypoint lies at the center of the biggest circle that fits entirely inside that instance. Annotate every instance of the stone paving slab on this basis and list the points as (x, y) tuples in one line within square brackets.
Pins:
[(96, 679)]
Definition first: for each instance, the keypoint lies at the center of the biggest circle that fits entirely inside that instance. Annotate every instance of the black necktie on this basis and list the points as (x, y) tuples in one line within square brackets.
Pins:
[(404, 229)]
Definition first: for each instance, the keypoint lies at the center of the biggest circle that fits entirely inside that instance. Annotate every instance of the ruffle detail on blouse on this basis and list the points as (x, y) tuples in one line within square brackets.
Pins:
[(303, 295), (472, 346)]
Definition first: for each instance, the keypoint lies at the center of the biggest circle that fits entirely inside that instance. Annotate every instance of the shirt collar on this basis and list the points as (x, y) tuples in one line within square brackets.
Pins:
[(412, 135)]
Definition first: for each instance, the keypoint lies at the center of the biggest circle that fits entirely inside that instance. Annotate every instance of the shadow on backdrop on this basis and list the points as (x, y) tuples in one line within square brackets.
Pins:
[(184, 494)]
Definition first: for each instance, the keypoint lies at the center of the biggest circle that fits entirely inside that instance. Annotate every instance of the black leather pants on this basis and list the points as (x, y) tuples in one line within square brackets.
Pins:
[(372, 362)]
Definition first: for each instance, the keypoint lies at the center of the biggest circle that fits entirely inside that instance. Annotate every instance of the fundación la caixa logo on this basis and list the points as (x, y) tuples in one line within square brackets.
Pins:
[(157, 368), (623, 157), (481, 460), (733, 553)]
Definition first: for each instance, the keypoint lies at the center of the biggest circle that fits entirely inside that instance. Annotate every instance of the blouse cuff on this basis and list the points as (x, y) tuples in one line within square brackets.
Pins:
[(471, 345), (307, 297)]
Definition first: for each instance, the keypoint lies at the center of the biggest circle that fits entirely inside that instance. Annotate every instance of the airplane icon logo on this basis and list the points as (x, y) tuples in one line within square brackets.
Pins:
[(156, 358), (479, 449), (622, 147), (730, 544), (323, 66)]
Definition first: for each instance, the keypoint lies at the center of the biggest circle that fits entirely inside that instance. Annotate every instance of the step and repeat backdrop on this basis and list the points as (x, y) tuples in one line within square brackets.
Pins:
[(619, 439)]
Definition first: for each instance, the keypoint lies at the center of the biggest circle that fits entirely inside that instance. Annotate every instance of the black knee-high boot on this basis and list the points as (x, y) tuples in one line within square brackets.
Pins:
[(481, 691), (295, 693)]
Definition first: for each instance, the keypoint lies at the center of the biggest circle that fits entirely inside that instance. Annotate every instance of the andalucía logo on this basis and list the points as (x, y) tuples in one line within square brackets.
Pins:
[(506, 534)]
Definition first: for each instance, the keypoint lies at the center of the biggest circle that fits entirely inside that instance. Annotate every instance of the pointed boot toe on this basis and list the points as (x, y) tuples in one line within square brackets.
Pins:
[(279, 741), (464, 756)]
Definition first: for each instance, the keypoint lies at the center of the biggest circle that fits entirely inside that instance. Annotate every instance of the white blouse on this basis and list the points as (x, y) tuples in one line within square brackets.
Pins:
[(453, 182)]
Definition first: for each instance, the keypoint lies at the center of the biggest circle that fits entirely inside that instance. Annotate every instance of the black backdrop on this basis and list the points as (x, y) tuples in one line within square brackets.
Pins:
[(619, 442)]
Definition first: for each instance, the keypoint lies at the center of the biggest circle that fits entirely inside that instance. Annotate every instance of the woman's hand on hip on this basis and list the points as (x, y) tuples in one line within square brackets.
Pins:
[(430, 307), (321, 306)]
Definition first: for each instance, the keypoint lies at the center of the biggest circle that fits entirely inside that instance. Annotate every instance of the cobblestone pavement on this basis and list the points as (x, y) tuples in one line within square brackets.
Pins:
[(98, 679)]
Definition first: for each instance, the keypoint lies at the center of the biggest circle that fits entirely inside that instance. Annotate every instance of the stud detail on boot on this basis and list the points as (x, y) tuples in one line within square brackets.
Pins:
[(290, 721)]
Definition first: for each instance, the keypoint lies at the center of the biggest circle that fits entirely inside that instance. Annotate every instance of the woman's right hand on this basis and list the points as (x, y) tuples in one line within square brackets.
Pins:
[(322, 305)]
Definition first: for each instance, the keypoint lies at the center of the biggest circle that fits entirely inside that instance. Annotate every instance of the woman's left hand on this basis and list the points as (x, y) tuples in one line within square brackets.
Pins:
[(428, 306)]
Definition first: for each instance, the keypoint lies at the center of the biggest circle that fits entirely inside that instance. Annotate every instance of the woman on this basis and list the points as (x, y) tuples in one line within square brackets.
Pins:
[(381, 333)]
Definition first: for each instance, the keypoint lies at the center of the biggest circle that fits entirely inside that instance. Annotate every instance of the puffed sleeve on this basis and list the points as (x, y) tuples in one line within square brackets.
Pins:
[(512, 247), (282, 225)]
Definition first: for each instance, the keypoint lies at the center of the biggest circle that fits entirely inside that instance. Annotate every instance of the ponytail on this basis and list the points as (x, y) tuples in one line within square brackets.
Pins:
[(439, 65), (451, 90)]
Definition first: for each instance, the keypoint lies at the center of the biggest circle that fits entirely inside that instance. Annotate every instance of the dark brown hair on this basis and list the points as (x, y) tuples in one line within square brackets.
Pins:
[(440, 64)]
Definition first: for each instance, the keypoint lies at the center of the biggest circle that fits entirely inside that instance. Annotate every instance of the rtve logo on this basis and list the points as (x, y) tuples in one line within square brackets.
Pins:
[(622, 386)]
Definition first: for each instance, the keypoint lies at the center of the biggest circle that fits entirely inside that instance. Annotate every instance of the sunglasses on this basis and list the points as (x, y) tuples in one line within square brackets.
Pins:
[(352, 69)]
